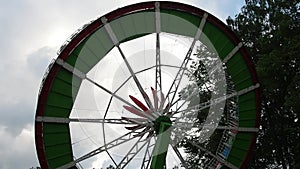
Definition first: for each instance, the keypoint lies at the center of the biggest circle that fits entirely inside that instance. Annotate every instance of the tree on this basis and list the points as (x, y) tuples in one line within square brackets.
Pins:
[(110, 167), (271, 32), (209, 75)]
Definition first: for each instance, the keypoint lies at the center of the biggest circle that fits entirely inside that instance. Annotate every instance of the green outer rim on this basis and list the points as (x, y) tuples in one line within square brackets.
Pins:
[(58, 88)]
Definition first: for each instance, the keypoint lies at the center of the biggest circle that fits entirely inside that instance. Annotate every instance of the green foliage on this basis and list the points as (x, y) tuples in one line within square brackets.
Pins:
[(271, 31), (110, 167), (206, 83)]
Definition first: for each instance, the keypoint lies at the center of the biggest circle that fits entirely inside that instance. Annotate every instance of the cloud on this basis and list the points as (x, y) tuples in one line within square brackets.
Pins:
[(19, 91), (31, 32), (17, 151), (221, 8), (38, 61), (20, 88)]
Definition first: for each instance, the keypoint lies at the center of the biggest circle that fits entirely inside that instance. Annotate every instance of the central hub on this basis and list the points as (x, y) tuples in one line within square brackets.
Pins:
[(156, 111), (161, 124)]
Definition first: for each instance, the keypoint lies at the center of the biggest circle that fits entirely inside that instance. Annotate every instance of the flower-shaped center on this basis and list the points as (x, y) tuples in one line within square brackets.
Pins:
[(147, 114)]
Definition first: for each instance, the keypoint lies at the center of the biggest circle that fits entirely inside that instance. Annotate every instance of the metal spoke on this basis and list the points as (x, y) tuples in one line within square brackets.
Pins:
[(206, 78), (143, 70), (120, 140), (221, 64), (233, 52), (116, 43), (103, 128), (138, 146), (78, 73), (158, 59), (175, 84), (194, 92), (204, 105), (179, 155), (184, 125), (87, 120), (196, 88), (119, 98), (112, 159), (70, 68), (147, 155), (143, 93)]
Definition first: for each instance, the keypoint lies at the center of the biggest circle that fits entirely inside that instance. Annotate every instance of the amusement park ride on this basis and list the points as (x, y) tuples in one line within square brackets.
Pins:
[(134, 65)]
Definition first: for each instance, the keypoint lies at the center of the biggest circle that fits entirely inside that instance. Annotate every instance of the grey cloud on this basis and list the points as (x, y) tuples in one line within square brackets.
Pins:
[(16, 150), (18, 104), (16, 116), (38, 61)]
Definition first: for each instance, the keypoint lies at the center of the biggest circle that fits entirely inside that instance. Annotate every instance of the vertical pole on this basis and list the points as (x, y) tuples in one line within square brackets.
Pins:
[(161, 146)]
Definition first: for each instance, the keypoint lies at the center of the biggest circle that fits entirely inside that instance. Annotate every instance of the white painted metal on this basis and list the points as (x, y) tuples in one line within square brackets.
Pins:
[(80, 74), (233, 52), (207, 104), (70, 68), (86, 120), (179, 155), (110, 32), (113, 37), (226, 163), (147, 156), (138, 146), (120, 140), (175, 84), (199, 126), (158, 59)]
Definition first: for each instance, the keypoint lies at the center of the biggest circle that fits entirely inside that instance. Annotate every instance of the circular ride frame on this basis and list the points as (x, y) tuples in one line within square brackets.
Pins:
[(62, 81)]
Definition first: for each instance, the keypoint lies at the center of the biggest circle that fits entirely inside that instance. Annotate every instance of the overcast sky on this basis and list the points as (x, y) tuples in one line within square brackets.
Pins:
[(31, 32)]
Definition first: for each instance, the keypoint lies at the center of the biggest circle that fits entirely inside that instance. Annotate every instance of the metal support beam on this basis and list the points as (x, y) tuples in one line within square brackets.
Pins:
[(187, 125), (207, 104), (161, 147), (120, 140), (226, 163), (87, 120), (158, 58), (114, 39), (233, 52), (175, 84)]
